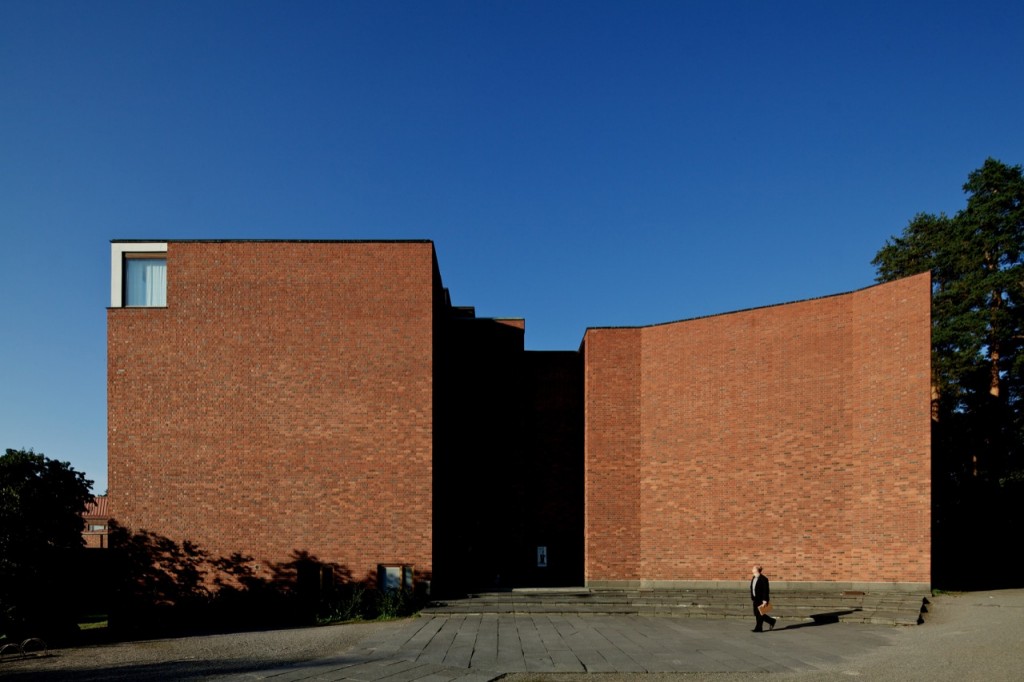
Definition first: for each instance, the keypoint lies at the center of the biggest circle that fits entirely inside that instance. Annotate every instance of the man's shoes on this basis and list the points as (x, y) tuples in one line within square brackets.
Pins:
[(771, 625)]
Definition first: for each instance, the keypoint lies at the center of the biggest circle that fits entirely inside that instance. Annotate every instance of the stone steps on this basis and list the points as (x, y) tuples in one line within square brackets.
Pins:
[(890, 608)]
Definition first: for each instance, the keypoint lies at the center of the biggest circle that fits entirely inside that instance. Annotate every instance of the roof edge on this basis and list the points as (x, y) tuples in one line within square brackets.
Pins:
[(274, 241), (759, 307)]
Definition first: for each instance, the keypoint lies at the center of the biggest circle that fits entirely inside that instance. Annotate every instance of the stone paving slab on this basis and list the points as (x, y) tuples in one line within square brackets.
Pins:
[(484, 647)]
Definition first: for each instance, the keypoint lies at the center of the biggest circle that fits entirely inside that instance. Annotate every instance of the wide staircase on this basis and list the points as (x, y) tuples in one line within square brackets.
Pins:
[(792, 606)]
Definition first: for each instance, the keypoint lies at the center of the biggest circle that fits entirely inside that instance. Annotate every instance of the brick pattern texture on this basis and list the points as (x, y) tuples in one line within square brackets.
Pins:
[(797, 436), (281, 402)]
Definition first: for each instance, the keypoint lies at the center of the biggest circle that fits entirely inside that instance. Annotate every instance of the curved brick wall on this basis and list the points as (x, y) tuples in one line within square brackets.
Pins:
[(795, 435)]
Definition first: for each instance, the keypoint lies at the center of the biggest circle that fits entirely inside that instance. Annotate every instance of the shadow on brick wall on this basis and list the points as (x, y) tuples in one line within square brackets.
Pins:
[(159, 586)]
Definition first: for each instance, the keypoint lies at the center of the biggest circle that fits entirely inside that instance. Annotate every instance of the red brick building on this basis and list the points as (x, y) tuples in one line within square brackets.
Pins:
[(269, 397), (797, 435), (96, 517)]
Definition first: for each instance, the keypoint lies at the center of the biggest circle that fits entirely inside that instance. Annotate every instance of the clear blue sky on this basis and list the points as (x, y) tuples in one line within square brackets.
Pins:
[(576, 163)]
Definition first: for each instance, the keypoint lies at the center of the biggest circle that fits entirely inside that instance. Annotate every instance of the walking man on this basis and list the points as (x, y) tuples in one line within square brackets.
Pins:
[(760, 596)]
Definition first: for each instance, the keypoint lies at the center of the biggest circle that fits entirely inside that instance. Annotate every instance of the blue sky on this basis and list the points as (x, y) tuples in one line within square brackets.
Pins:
[(576, 163)]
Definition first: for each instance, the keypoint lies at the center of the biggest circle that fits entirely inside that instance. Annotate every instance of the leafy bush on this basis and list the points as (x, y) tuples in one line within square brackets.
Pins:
[(348, 602), (41, 505), (392, 604)]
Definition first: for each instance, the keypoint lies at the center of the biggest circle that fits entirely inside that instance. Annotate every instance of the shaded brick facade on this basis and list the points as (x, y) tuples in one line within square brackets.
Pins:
[(509, 470), (325, 397)]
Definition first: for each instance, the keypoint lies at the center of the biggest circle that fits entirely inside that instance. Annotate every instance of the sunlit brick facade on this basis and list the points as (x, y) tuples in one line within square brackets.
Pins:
[(796, 435), (282, 400), (326, 397)]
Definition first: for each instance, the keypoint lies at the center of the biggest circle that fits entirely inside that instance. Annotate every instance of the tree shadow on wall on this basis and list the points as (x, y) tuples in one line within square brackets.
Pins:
[(160, 586)]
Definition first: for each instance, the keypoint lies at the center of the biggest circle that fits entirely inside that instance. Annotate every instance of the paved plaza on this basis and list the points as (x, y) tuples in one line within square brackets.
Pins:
[(484, 647), (970, 636)]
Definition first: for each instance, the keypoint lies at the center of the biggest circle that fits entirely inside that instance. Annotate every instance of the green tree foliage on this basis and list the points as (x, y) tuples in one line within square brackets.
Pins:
[(41, 505), (976, 258), (977, 313)]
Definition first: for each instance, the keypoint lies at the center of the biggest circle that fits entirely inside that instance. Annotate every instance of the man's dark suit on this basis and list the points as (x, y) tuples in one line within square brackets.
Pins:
[(760, 593)]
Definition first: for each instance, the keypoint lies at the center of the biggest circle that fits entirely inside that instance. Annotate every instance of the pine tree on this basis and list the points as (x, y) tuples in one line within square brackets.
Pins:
[(975, 258)]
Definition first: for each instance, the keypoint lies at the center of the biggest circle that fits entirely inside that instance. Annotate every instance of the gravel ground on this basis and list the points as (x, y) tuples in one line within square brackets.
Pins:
[(190, 658)]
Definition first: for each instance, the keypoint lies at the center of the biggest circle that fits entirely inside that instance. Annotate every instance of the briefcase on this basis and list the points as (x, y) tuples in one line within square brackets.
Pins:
[(765, 609)]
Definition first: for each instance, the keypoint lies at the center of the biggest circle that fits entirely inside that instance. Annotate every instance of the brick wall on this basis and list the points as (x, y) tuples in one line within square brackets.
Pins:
[(282, 401), (96, 518), (478, 496), (612, 454), (796, 435), (322, 397), (508, 467), (552, 467)]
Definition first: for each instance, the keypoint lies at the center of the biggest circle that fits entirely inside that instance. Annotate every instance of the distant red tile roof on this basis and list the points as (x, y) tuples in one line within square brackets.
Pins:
[(99, 507)]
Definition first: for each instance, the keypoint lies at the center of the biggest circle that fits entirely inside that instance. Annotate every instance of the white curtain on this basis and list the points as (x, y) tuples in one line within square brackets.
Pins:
[(146, 282)]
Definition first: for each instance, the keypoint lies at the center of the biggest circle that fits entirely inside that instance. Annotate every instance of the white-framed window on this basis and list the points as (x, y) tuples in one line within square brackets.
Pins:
[(145, 281), (138, 274)]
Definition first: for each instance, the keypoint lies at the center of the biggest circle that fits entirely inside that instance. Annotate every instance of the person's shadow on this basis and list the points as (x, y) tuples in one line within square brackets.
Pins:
[(828, 618)]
